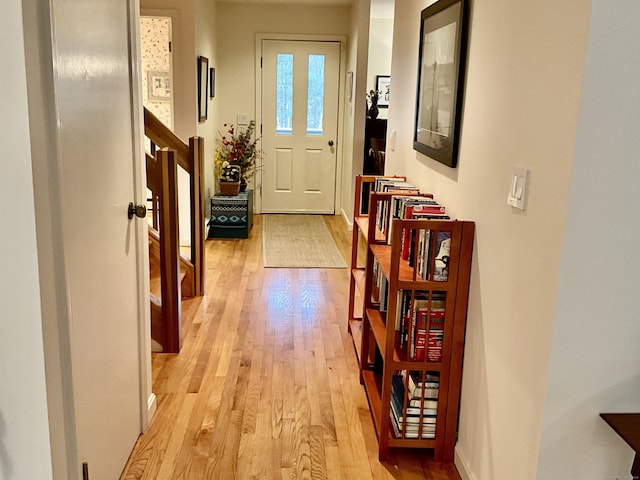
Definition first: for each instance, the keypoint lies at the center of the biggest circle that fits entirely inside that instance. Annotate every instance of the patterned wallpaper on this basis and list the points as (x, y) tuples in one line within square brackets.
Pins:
[(157, 93)]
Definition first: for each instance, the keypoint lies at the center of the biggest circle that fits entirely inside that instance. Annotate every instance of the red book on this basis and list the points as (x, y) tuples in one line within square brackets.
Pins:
[(435, 336), (425, 210), (421, 334)]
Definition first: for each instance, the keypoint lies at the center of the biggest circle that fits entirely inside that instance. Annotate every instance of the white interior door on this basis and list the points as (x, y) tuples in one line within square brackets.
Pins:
[(300, 83), (97, 143)]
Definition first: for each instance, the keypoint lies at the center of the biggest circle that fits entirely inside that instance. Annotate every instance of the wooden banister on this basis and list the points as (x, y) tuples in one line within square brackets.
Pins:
[(159, 134), (154, 174), (196, 148), (170, 252), (170, 152)]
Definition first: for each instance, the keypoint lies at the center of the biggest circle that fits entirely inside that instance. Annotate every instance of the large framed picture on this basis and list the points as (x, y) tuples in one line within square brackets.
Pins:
[(203, 81), (442, 60)]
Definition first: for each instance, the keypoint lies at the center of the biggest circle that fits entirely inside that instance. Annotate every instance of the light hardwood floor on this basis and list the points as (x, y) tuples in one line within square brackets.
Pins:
[(266, 385)]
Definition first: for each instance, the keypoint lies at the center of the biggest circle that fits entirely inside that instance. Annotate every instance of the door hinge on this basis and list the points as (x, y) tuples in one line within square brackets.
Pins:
[(170, 46), (85, 471), (260, 62)]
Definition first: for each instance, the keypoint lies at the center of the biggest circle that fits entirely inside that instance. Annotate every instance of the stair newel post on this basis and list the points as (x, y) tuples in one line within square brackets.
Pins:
[(196, 149), (170, 252)]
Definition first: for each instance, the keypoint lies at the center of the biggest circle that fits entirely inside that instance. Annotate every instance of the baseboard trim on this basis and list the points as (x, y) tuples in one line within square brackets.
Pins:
[(461, 464), (152, 405), (345, 217)]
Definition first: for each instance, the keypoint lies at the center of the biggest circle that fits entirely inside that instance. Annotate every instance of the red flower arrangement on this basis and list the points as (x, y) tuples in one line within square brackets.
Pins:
[(238, 147)]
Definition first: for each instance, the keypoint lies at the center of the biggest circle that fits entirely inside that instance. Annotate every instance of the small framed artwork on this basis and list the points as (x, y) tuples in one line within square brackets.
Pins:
[(212, 82), (441, 61), (159, 86), (203, 81), (383, 86)]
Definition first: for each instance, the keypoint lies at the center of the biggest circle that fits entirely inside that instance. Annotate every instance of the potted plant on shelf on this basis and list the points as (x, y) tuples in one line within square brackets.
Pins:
[(229, 179), (238, 148)]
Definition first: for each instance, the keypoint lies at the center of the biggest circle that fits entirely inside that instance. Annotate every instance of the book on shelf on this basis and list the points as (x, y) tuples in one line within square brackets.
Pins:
[(422, 319), (390, 185), (428, 431), (403, 314), (413, 421), (441, 262), (419, 323), (399, 205), (413, 413), (431, 255), (420, 305), (417, 388), (435, 333), (384, 292), (434, 345), (375, 283), (424, 211)]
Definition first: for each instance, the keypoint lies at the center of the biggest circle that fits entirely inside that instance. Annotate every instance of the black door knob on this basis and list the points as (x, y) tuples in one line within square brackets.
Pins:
[(331, 143), (137, 210)]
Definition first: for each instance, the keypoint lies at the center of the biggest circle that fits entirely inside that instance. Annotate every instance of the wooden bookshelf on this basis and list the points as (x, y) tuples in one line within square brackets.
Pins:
[(394, 353), (360, 236)]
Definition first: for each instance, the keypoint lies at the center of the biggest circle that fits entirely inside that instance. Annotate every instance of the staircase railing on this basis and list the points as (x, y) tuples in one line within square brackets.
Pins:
[(162, 179)]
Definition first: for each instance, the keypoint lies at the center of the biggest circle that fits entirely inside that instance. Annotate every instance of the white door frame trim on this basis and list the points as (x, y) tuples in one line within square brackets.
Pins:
[(342, 39), (147, 397)]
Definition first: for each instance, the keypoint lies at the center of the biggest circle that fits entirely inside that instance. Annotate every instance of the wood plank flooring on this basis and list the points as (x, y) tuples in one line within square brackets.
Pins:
[(266, 385)]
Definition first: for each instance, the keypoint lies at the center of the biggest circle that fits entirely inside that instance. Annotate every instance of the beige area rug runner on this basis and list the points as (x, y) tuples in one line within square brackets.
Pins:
[(298, 241)]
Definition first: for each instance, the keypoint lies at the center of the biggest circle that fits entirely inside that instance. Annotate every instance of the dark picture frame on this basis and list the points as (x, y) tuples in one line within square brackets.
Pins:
[(442, 63), (203, 81), (383, 85), (212, 82)]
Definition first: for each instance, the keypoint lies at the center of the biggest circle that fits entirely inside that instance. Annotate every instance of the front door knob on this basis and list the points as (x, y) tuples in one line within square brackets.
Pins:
[(331, 143), (137, 210)]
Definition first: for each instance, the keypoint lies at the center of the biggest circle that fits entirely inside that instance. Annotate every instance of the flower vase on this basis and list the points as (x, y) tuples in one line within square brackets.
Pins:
[(373, 111)]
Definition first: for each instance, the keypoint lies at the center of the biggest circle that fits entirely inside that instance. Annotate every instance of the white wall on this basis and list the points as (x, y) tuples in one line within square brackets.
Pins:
[(206, 45), (185, 88), (24, 427), (355, 111), (524, 78), (595, 360), (184, 60), (236, 29), (380, 43)]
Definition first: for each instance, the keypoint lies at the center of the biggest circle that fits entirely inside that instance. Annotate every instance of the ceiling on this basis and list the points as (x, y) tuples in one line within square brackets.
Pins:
[(379, 8), (295, 2)]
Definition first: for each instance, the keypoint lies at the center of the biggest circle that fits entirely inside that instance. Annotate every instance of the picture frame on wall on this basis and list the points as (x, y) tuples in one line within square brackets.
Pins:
[(383, 85), (159, 86), (203, 81), (441, 62)]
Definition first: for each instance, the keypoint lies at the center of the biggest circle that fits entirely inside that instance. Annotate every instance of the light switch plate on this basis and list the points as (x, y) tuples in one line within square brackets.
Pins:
[(243, 119), (518, 187)]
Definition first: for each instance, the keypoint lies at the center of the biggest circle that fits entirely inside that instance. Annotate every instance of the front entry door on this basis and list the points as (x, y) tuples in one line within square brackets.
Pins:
[(300, 82), (97, 142)]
